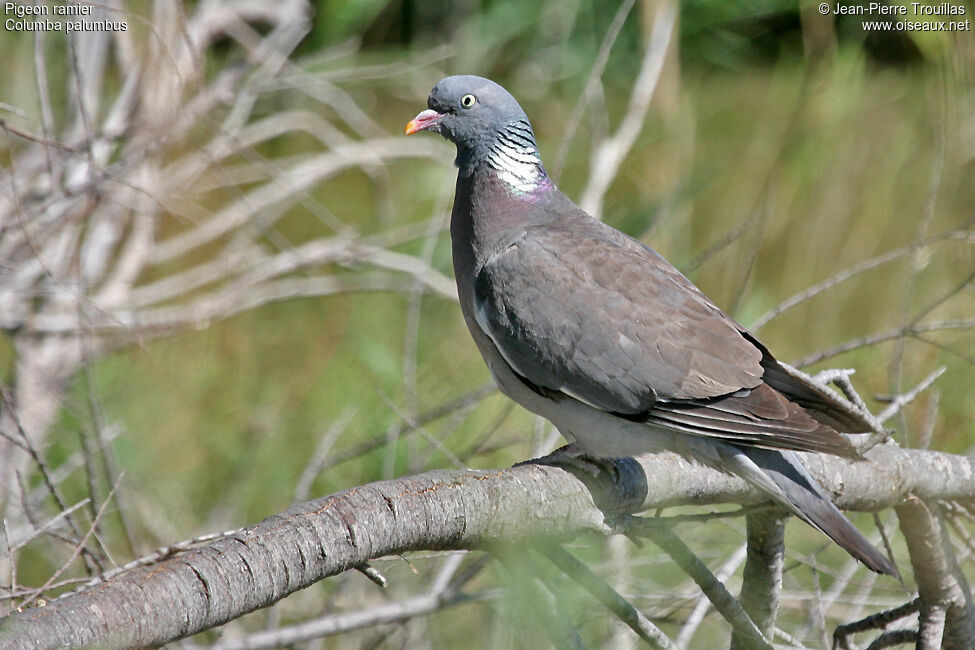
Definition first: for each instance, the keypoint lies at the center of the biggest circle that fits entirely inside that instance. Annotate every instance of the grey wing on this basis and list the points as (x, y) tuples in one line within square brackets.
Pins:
[(608, 325), (616, 326)]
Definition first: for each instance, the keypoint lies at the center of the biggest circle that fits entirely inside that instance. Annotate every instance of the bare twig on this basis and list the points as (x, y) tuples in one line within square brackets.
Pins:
[(608, 596), (159, 555), (842, 633), (853, 271), (888, 335), (332, 624), (900, 401), (608, 156), (19, 544), (893, 638), (318, 458), (42, 466), (703, 605), (546, 608), (591, 86), (717, 593), (373, 574), (79, 548), (816, 606), (420, 429), (463, 402)]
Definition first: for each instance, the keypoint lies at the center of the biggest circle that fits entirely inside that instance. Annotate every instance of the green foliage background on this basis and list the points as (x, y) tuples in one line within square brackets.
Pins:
[(818, 164)]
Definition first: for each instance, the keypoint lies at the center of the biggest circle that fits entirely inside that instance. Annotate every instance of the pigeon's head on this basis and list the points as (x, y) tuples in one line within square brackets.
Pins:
[(472, 112)]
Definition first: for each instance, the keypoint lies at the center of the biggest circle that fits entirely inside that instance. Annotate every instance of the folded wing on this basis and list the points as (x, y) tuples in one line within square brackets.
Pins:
[(580, 310)]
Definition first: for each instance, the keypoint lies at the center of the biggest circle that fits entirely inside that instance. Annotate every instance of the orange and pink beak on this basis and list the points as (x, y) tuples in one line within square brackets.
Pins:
[(423, 121)]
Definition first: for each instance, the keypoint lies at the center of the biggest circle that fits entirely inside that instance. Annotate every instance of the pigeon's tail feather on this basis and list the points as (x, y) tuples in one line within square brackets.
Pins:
[(782, 476)]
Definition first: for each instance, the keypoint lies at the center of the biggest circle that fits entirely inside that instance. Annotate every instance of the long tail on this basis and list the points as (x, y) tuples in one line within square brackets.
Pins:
[(782, 475)]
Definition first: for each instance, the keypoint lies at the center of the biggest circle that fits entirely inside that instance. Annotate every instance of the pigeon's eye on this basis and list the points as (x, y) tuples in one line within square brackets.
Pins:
[(468, 100)]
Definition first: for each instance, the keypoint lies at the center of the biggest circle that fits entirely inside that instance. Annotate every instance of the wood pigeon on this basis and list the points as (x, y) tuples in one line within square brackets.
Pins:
[(599, 334)]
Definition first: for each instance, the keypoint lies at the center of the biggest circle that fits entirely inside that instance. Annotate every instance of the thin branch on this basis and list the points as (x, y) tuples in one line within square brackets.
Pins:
[(762, 576), (546, 609), (373, 574), (609, 155), (11, 559), (41, 464), (816, 607), (880, 337), (129, 325), (159, 555), (320, 455), (900, 401), (79, 548), (855, 270), (726, 604), (48, 524), (703, 605), (463, 402), (591, 86), (880, 620), (420, 429), (331, 624), (893, 638), (609, 597), (312, 171)]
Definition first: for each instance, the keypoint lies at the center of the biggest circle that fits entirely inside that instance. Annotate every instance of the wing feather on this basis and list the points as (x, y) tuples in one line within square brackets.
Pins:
[(586, 311), (608, 323)]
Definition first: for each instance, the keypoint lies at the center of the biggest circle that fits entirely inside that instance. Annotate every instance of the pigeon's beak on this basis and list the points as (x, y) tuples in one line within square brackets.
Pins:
[(423, 121)]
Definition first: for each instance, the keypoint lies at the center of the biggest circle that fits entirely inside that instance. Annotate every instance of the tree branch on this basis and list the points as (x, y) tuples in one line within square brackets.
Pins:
[(609, 597), (947, 618), (442, 510), (762, 578)]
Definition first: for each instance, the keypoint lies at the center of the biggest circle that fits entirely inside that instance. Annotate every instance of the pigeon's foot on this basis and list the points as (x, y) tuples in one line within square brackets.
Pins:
[(573, 459)]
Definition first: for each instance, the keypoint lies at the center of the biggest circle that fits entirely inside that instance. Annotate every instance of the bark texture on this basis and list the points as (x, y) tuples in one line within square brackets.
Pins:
[(464, 509), (946, 618), (762, 577)]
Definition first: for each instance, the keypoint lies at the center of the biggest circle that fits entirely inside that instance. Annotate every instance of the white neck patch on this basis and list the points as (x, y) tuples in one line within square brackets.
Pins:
[(515, 157)]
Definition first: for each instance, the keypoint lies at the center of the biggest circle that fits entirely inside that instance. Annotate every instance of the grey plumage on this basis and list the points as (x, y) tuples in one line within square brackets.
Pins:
[(601, 335)]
